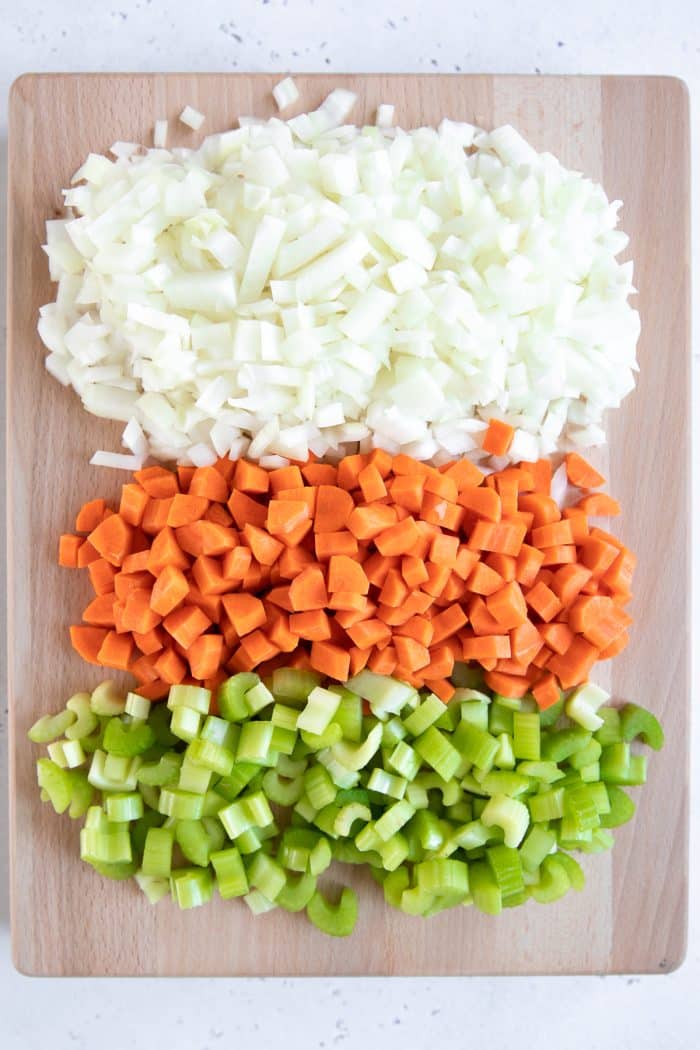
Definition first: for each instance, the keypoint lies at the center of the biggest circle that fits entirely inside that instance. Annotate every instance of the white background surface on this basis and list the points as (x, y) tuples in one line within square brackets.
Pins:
[(500, 36)]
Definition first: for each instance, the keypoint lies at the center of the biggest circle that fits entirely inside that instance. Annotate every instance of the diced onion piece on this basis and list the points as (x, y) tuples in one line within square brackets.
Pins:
[(192, 118), (385, 115), (160, 134), (285, 93)]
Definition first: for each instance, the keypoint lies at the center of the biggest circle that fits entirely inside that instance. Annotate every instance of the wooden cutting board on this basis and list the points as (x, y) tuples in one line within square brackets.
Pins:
[(631, 133)]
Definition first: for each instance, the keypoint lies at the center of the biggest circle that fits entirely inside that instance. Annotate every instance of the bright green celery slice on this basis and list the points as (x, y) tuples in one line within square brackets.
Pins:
[(552, 714), (191, 887), (580, 807), (258, 904), (347, 815), (183, 805), (51, 727), (258, 698), (281, 790), (333, 734), (349, 714), (611, 731), (435, 748), (185, 723), (283, 741), (293, 684), (509, 814), (123, 807), (193, 777), (573, 869), (337, 920), (239, 778), (526, 736), (394, 851), (266, 875), (297, 891), (544, 772), (320, 857), (586, 756), (404, 760), (106, 699), (500, 720), (318, 711), (441, 877), (165, 771), (354, 756), (112, 772), (393, 732), (636, 721), (484, 888), (548, 805), (319, 787), (502, 782), (56, 782), (154, 888), (393, 819), (553, 881), (537, 844), (621, 808), (214, 757), (385, 695), (506, 866), (505, 756), (192, 838), (254, 743), (231, 697), (560, 744), (284, 717), (193, 697), (475, 745), (427, 713), (157, 853), (86, 721), (395, 883), (387, 784)]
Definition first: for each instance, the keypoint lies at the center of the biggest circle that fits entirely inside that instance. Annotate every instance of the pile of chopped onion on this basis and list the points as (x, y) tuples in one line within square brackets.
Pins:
[(308, 286)]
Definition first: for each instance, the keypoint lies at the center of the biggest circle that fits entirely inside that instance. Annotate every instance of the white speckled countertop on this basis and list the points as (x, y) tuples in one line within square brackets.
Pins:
[(498, 36)]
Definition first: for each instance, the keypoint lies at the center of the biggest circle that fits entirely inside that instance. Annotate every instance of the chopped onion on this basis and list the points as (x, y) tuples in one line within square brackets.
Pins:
[(310, 286), (285, 93)]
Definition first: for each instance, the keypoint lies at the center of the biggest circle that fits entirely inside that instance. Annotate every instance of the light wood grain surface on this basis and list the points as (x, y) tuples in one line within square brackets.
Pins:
[(630, 133)]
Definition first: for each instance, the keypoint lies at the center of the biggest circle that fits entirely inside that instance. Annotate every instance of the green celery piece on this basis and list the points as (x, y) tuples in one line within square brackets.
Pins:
[(500, 720), (293, 684), (249, 842), (601, 840), (82, 793), (393, 731), (415, 901), (507, 869), (348, 814), (230, 697), (297, 892), (356, 756), (320, 857), (385, 695), (404, 760), (231, 878), (526, 735), (637, 722), (157, 852), (283, 740), (51, 727), (165, 771), (337, 920), (443, 876), (254, 743), (460, 813), (386, 784), (266, 875), (600, 795), (471, 835), (192, 838), (450, 717), (212, 756), (154, 889), (333, 734), (621, 808), (284, 717), (573, 869), (258, 904), (580, 807), (193, 777), (475, 745), (118, 870), (587, 756), (349, 714), (544, 772), (240, 777), (431, 832), (611, 731), (346, 852), (109, 846), (317, 713), (553, 882), (193, 697), (475, 708), (560, 744), (548, 805), (325, 819), (536, 845), (450, 791), (159, 721), (191, 887), (107, 700), (138, 829), (86, 721), (258, 698), (393, 819), (281, 790), (182, 805), (395, 883), (615, 763), (123, 807), (484, 888), (509, 814), (502, 782), (319, 787), (505, 757), (127, 740), (56, 782), (394, 851), (428, 712), (437, 751)]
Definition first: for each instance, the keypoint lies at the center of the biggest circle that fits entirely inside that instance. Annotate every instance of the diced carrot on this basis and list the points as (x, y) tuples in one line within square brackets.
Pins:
[(320, 474), (598, 555), (484, 580), (407, 491), (541, 473), (442, 688), (349, 470), (348, 601), (453, 591), (155, 516), (292, 561), (112, 539), (579, 523), (330, 660), (137, 562), (383, 661), (410, 654), (258, 647), (558, 636), (186, 624), (574, 666), (245, 510), (619, 576), (447, 623), (313, 625), (525, 642), (483, 623), (443, 486), (116, 650), (580, 472), (413, 570), (208, 483), (279, 633), (465, 562), (599, 505), (615, 646), (507, 606), (170, 667), (102, 575), (444, 550), (486, 647), (68, 548), (204, 655), (125, 582), (345, 574), (562, 555), (225, 467), (158, 482), (368, 633), (498, 438), (308, 590), (206, 537), (245, 611), (100, 611), (165, 550), (184, 477), (436, 510), (506, 684), (286, 478), (543, 509), (170, 588), (143, 670), (482, 501), (507, 487), (502, 538), (438, 578), (555, 534), (544, 601), (442, 661), (208, 576), (463, 473), (419, 628), (284, 517), (358, 659), (90, 515), (347, 618), (138, 614), (280, 597), (236, 563), (87, 641), (546, 692), (371, 483), (568, 581), (186, 509), (217, 514), (266, 549), (598, 619), (398, 539), (249, 477), (504, 564), (394, 590), (154, 690), (368, 522), (377, 568), (150, 642), (327, 544)]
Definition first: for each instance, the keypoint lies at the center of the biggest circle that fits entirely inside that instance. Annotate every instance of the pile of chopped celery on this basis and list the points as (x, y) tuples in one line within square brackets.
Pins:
[(479, 801)]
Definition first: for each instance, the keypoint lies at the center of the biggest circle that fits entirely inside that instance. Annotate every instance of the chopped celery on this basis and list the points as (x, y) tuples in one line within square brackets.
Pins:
[(435, 749), (337, 920), (348, 814), (384, 783), (281, 790), (214, 757), (425, 715), (526, 736), (553, 881), (191, 887), (127, 740), (621, 808), (185, 723), (266, 875), (230, 698), (137, 707), (182, 805), (549, 805), (474, 744), (484, 888), (51, 727), (583, 703), (385, 695), (332, 734), (258, 903), (509, 814), (296, 892), (355, 756), (537, 844), (107, 700), (192, 697), (230, 873), (154, 888), (157, 852), (254, 743), (165, 771), (123, 807), (506, 866), (636, 721), (610, 731), (258, 698), (559, 744), (318, 711), (349, 714), (292, 684), (85, 721), (55, 781)]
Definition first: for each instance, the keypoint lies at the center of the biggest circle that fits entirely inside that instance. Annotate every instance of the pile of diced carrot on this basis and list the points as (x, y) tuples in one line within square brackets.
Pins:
[(379, 562)]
